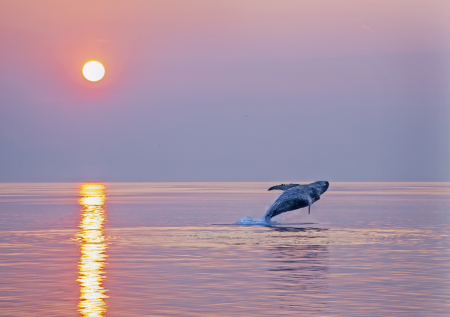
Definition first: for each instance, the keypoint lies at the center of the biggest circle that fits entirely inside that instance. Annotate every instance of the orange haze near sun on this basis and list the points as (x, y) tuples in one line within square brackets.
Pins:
[(132, 40)]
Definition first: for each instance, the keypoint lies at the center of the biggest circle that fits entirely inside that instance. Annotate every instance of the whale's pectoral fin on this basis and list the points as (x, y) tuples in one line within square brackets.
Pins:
[(283, 187)]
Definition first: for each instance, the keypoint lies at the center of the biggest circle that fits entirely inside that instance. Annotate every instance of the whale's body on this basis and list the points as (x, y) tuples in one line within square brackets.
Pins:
[(296, 196)]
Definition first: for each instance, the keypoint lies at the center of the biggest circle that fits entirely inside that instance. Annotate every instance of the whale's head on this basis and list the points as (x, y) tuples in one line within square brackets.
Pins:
[(320, 186)]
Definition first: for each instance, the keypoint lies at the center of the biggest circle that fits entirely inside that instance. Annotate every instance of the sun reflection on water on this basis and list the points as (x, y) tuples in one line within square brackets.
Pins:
[(93, 247)]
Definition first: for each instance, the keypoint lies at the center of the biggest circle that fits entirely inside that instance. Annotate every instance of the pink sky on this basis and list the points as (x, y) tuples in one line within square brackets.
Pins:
[(182, 77)]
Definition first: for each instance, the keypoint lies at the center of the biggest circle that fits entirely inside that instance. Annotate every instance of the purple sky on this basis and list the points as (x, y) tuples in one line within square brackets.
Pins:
[(225, 90)]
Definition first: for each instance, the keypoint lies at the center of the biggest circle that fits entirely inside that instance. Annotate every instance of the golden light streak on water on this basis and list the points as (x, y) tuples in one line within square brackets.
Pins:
[(93, 247)]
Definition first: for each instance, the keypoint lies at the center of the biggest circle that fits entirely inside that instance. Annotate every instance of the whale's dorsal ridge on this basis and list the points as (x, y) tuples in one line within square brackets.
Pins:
[(283, 187)]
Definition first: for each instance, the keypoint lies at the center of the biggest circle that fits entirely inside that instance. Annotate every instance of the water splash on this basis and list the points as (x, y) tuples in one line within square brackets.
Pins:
[(248, 221)]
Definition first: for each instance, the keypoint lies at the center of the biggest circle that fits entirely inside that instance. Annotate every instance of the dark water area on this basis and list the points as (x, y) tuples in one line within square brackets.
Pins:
[(173, 249)]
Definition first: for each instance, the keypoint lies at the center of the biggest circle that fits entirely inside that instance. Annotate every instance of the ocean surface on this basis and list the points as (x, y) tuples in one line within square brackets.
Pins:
[(174, 249)]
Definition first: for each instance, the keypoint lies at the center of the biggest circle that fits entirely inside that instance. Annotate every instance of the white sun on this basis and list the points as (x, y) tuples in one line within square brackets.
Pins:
[(93, 71)]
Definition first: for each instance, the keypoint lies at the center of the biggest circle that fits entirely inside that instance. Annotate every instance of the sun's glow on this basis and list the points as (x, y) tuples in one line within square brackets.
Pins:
[(93, 71), (92, 194), (93, 248)]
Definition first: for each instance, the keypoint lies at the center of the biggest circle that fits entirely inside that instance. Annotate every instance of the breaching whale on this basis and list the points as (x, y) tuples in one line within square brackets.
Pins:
[(296, 196)]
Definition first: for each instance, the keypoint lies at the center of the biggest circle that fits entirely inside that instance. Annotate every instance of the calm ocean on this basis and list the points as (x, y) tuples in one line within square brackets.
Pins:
[(173, 249)]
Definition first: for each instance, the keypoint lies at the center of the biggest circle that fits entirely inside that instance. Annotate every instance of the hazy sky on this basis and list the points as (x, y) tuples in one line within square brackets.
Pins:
[(225, 90)]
